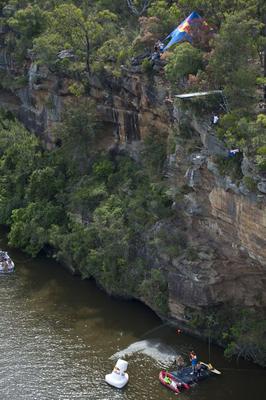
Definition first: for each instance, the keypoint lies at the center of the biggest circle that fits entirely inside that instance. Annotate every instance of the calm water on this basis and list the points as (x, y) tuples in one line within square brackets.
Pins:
[(59, 336)]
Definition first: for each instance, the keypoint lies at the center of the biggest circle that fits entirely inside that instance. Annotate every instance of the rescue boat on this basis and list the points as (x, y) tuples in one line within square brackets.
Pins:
[(184, 378), (169, 380)]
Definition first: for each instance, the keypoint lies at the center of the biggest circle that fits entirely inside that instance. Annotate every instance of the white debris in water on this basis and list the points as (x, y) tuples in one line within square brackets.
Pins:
[(164, 355)]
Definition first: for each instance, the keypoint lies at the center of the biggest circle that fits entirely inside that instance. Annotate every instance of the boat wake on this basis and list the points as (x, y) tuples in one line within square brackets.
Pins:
[(164, 355)]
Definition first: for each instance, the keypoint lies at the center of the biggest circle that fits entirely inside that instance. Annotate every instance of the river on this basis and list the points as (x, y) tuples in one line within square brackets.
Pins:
[(60, 335)]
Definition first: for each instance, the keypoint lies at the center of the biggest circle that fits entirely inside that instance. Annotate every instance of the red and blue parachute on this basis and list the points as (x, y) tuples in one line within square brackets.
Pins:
[(182, 32)]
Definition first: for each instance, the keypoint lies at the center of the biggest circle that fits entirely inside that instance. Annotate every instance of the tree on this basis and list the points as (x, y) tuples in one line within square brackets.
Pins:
[(69, 28), (79, 131), (184, 60), (19, 156), (230, 64), (30, 229), (168, 14), (27, 23)]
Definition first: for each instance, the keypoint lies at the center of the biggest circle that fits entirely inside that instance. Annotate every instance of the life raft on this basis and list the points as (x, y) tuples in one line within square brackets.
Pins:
[(185, 377), (169, 380)]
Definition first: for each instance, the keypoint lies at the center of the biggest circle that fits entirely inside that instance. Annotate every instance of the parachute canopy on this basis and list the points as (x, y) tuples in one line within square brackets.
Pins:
[(182, 32)]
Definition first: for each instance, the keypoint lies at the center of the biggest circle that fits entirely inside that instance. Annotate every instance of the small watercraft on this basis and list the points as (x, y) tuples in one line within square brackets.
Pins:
[(118, 378), (185, 377), (169, 380), (6, 264)]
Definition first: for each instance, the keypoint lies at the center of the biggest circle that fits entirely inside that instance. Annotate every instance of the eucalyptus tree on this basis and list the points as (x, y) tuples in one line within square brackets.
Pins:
[(76, 30)]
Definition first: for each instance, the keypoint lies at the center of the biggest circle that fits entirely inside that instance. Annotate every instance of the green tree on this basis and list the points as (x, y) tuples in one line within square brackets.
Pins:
[(79, 132), (184, 60), (230, 64), (70, 28), (19, 156), (111, 253), (30, 229), (168, 15), (28, 23), (154, 290)]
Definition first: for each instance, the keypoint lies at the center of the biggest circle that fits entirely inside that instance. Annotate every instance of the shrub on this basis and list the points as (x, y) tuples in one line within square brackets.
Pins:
[(230, 166), (155, 291), (250, 183), (147, 66), (184, 60)]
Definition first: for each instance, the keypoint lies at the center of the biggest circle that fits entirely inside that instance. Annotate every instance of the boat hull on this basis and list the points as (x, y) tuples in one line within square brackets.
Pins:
[(175, 385), (185, 377)]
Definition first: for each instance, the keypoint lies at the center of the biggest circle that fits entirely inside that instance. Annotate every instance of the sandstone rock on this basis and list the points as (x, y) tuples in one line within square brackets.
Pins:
[(212, 167), (192, 177), (262, 186), (205, 256), (248, 167), (192, 207)]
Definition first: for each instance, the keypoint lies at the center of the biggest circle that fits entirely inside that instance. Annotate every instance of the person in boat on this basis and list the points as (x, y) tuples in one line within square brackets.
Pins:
[(194, 361), (179, 361), (167, 380), (199, 369)]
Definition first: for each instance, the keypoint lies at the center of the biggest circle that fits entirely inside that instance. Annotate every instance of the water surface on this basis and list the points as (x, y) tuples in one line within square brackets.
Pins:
[(59, 336)]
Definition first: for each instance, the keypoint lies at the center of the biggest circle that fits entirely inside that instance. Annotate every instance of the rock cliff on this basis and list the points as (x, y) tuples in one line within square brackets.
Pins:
[(225, 223)]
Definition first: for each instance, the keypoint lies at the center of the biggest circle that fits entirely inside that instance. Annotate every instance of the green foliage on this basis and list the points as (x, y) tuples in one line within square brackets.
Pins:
[(147, 66), (71, 28), (31, 226), (28, 23), (167, 15), (92, 209), (112, 54), (154, 290), (155, 152), (78, 132), (184, 60), (248, 135), (103, 168), (233, 130), (20, 155), (240, 331), (230, 64), (230, 166), (45, 183), (250, 183), (8, 81), (77, 89), (246, 337)]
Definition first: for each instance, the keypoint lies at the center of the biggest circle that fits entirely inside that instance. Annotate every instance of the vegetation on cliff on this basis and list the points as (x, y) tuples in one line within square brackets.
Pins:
[(93, 210), (102, 212), (77, 38)]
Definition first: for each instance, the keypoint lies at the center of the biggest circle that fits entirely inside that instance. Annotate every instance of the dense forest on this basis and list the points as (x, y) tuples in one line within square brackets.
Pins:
[(99, 211)]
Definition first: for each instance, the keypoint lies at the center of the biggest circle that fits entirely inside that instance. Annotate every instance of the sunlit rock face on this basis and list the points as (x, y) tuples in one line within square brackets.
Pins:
[(242, 221)]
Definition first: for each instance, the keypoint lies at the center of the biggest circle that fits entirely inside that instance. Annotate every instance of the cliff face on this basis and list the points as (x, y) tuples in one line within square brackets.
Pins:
[(128, 108), (225, 223)]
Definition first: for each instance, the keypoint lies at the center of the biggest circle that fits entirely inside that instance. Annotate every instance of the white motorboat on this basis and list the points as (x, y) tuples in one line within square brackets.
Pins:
[(118, 378), (6, 264)]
